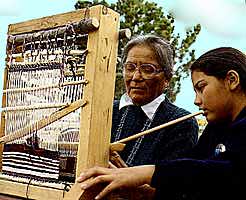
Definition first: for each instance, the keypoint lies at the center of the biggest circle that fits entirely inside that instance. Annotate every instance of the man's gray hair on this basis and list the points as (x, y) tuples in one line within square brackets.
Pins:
[(161, 47)]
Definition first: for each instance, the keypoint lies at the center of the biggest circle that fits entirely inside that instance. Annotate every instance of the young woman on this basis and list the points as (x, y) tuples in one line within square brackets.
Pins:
[(216, 167)]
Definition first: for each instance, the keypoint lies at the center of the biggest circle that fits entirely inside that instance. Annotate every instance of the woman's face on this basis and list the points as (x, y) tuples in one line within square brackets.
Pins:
[(213, 97), (140, 90)]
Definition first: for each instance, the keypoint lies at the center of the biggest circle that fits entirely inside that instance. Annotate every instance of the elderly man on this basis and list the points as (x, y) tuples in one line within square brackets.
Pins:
[(147, 69)]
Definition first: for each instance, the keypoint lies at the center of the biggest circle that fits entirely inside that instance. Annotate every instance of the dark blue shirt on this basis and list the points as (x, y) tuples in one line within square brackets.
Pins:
[(215, 170), (165, 144)]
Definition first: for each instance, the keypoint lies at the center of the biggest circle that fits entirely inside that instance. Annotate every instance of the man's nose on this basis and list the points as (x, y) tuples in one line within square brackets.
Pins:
[(137, 74)]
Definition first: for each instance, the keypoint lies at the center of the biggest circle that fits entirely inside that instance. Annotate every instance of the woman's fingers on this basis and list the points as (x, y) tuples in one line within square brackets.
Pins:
[(116, 178), (112, 185), (92, 172), (95, 181), (112, 166), (107, 190)]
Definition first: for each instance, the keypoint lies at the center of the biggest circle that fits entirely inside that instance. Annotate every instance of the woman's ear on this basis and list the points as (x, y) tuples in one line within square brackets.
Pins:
[(166, 84), (232, 79)]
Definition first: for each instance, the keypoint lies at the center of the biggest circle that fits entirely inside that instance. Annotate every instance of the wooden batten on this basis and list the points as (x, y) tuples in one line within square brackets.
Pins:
[(43, 122)]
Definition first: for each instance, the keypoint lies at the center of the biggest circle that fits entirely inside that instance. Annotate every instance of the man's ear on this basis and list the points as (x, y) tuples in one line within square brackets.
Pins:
[(232, 79)]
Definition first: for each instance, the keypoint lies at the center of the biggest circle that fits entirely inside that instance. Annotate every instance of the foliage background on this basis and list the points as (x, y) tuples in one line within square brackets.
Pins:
[(144, 17)]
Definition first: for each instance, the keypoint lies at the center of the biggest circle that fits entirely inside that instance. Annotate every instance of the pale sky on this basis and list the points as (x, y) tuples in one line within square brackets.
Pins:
[(223, 24)]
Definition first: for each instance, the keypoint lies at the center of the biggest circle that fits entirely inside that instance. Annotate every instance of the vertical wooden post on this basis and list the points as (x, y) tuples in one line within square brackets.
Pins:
[(2, 129), (95, 130), (96, 117)]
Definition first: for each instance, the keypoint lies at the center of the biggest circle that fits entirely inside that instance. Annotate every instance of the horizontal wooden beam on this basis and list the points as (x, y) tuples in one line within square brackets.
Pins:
[(30, 191)]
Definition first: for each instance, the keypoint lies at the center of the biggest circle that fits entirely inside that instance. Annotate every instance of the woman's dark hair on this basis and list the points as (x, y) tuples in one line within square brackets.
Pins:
[(161, 47), (219, 61)]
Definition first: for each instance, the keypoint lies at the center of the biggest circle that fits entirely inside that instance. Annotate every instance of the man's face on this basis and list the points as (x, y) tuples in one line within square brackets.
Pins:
[(140, 90)]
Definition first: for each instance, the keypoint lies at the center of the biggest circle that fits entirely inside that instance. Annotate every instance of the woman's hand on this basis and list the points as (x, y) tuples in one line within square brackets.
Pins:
[(116, 178)]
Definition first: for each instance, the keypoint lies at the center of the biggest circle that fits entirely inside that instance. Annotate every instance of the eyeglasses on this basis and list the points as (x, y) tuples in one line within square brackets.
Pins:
[(147, 70)]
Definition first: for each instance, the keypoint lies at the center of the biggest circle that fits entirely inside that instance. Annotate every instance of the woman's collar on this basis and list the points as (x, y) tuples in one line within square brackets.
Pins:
[(149, 108)]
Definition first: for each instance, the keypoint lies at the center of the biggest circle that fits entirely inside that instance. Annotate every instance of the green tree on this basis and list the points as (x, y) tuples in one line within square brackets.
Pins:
[(147, 17)]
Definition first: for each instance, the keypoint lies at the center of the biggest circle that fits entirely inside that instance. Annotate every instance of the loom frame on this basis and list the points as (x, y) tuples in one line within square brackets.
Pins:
[(96, 116)]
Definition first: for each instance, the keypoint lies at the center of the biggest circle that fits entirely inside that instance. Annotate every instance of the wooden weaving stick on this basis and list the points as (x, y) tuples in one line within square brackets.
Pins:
[(43, 122), (157, 128), (119, 145), (114, 148)]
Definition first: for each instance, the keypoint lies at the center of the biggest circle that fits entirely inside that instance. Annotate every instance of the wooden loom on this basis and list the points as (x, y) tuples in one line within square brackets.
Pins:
[(100, 26)]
